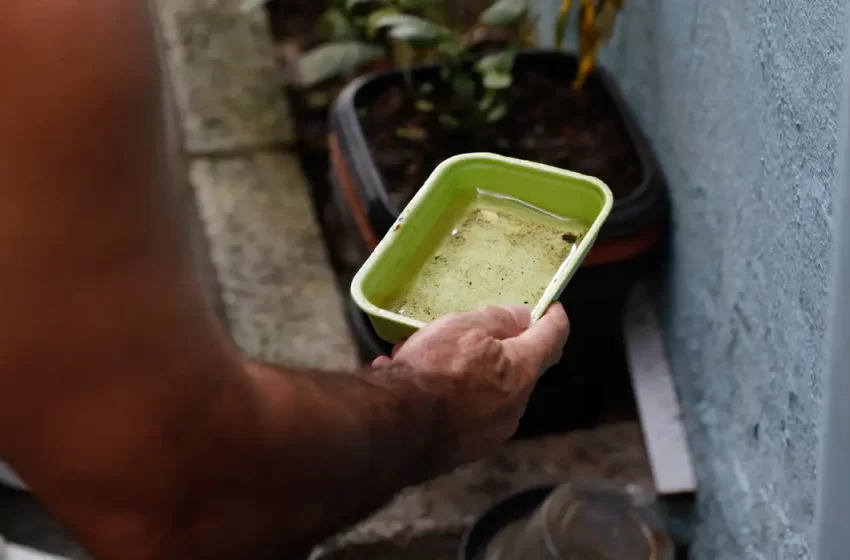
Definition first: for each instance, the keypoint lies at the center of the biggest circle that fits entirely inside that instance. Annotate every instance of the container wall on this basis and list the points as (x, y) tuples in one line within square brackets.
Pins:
[(740, 101)]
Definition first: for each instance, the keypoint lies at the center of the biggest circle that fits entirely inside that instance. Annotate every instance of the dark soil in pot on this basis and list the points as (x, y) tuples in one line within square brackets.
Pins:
[(293, 22), (547, 121)]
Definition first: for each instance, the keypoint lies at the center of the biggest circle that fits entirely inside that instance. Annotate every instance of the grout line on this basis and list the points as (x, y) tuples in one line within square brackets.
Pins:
[(242, 151)]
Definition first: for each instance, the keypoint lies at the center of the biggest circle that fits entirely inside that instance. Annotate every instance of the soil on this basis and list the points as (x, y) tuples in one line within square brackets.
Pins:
[(293, 22), (547, 122)]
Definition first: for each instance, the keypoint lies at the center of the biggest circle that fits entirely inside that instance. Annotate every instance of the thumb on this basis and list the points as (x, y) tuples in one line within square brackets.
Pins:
[(502, 321), (541, 346)]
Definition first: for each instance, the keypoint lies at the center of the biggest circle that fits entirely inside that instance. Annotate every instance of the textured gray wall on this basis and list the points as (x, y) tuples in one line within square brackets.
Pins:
[(740, 100)]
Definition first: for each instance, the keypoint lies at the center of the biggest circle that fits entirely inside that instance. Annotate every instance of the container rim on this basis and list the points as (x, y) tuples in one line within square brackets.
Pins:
[(555, 286)]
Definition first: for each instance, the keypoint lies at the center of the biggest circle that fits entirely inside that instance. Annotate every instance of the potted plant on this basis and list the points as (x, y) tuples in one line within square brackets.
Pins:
[(390, 129), (321, 45)]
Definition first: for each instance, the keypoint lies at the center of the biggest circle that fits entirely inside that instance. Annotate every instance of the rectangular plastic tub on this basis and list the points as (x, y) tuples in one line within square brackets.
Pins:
[(455, 183)]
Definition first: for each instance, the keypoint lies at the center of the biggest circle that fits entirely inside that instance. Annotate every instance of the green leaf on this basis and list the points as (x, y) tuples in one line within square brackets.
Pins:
[(376, 17), (450, 49), (335, 59), (411, 29), (504, 12), (463, 86), (605, 21), (448, 121), (336, 26), (393, 20), (351, 4), (413, 5), (497, 113), (412, 132), (502, 62), (497, 69), (424, 106), (487, 101), (497, 80), (320, 99), (562, 23), (487, 63)]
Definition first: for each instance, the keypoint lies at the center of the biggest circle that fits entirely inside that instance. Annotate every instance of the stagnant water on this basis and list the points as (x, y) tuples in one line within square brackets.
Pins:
[(500, 251)]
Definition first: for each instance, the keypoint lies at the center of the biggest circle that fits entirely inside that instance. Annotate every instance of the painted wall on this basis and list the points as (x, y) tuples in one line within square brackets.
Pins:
[(740, 100)]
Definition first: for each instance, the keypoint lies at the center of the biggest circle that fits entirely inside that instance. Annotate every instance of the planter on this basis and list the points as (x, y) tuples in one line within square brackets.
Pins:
[(375, 190), (369, 344)]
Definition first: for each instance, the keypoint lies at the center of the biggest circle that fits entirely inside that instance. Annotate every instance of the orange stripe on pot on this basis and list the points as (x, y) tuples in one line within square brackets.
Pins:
[(355, 206), (622, 249)]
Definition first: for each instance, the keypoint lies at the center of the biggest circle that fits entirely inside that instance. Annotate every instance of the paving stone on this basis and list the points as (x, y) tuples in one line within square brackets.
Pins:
[(223, 72), (280, 295)]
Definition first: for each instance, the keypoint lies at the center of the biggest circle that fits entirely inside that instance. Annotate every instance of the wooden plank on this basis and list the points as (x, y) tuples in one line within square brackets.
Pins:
[(658, 405)]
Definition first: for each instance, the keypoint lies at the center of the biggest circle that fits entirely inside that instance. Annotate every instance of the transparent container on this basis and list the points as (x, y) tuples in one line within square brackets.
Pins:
[(584, 522)]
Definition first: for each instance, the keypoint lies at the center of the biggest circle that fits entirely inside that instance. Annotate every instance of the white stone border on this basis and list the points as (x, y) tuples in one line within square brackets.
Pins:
[(658, 404)]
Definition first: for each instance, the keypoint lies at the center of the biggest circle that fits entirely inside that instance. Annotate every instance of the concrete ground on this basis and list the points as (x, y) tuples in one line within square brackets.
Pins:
[(266, 271)]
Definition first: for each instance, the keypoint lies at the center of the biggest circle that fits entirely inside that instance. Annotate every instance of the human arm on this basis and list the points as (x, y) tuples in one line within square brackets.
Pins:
[(122, 402)]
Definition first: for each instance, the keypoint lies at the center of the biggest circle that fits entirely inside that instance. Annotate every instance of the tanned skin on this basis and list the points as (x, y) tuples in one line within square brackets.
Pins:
[(123, 404)]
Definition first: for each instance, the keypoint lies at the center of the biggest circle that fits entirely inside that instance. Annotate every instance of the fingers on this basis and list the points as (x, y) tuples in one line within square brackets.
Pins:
[(381, 361), (541, 346), (499, 321), (384, 360)]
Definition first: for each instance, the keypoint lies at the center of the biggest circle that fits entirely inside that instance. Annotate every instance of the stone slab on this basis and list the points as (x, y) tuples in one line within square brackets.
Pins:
[(280, 295), (221, 65), (434, 545)]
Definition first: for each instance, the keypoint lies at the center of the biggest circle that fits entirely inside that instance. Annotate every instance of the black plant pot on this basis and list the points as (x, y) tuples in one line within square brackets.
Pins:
[(635, 226)]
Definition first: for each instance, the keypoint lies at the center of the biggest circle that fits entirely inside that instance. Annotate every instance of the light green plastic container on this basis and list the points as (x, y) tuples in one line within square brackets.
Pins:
[(453, 184)]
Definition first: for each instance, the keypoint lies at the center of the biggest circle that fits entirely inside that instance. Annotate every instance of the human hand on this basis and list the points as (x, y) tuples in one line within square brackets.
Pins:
[(481, 366)]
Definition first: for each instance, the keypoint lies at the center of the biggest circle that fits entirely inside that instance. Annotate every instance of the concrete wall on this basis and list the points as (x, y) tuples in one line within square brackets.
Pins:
[(740, 101)]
